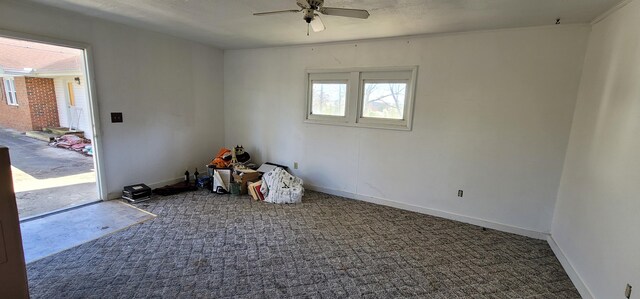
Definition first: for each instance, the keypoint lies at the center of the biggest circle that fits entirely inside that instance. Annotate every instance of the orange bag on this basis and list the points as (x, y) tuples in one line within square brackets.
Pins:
[(219, 160)]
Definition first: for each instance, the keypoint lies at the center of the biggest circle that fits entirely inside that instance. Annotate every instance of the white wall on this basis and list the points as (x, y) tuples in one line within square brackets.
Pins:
[(492, 117), (169, 89), (597, 218)]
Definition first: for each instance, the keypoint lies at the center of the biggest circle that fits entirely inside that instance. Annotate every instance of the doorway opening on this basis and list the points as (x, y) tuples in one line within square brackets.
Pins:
[(47, 122)]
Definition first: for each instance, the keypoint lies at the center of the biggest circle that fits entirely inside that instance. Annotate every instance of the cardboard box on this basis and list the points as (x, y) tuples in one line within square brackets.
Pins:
[(244, 178)]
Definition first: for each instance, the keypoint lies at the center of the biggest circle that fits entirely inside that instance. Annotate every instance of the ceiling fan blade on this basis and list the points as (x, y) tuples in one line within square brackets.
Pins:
[(303, 4), (345, 12), (317, 24), (276, 12)]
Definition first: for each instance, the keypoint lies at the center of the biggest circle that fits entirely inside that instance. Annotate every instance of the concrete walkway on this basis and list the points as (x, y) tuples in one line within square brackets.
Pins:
[(47, 178)]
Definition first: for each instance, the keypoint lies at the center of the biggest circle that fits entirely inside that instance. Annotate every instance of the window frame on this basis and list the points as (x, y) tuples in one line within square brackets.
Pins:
[(328, 77), (8, 83), (356, 78)]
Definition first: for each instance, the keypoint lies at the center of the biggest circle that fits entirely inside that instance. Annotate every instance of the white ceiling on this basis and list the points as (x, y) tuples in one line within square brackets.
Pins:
[(229, 24)]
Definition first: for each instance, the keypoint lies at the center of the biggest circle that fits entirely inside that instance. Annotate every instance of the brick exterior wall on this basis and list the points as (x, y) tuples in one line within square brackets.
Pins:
[(36, 108), (16, 117), (42, 103)]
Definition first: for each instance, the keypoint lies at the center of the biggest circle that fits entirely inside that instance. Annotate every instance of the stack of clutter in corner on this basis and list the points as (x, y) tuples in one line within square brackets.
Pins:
[(232, 172), (279, 186)]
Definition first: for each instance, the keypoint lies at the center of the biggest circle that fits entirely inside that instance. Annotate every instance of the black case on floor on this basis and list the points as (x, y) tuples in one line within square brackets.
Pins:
[(136, 193)]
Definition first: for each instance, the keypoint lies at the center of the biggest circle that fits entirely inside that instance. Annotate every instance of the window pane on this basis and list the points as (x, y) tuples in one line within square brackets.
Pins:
[(329, 99), (384, 100)]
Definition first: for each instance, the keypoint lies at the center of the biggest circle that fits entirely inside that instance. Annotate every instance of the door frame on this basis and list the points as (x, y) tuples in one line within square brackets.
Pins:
[(91, 94)]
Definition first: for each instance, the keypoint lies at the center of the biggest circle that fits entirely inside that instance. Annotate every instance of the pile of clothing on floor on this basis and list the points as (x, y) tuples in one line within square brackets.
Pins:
[(75, 143)]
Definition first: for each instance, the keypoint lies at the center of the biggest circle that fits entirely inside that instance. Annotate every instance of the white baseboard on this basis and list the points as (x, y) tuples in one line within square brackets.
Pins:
[(116, 195), (573, 275), (433, 212)]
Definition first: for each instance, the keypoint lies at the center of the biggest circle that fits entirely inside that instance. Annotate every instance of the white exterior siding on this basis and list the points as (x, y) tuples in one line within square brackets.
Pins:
[(69, 117), (61, 100)]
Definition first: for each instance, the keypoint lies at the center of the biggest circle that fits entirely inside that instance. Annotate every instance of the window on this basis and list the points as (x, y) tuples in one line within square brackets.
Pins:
[(375, 98), (384, 99), (10, 91), (328, 95), (329, 98)]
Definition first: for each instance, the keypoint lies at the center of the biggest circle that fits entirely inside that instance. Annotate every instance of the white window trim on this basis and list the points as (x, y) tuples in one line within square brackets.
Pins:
[(355, 89), (9, 89), (328, 78)]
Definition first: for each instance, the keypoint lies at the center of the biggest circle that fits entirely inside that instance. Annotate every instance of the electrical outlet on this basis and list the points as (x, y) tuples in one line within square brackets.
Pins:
[(295, 165), (460, 193), (116, 117), (627, 291)]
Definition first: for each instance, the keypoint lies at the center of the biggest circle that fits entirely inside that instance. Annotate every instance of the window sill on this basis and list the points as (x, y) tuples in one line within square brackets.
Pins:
[(359, 125)]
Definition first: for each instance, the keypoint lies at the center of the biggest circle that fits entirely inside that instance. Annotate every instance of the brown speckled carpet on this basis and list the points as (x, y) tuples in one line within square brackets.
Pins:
[(203, 245)]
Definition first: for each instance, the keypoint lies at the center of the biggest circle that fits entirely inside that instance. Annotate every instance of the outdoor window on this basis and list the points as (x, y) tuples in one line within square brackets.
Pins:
[(384, 99), (10, 91), (328, 96), (375, 98)]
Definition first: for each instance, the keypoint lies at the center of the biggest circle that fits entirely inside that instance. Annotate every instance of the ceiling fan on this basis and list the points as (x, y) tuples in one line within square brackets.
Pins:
[(309, 9)]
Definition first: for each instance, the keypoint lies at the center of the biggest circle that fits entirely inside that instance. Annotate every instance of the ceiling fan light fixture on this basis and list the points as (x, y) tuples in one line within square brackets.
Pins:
[(309, 14), (316, 24)]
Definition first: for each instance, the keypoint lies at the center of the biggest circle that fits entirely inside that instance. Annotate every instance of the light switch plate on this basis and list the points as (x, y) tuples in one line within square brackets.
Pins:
[(116, 117)]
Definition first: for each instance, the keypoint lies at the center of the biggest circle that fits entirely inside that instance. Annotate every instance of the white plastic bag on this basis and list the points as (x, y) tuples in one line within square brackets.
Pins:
[(279, 186)]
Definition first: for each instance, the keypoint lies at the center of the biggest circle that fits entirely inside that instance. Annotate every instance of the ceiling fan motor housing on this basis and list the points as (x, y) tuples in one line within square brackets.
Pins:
[(315, 4), (308, 15)]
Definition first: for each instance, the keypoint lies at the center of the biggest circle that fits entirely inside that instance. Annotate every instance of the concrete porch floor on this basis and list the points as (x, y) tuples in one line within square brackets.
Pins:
[(45, 236), (47, 178)]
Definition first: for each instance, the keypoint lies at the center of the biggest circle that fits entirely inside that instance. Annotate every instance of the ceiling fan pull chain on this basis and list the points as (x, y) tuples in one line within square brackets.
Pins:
[(308, 25)]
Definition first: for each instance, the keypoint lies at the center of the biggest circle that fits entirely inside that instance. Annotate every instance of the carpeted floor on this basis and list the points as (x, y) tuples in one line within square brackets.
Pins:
[(217, 246)]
